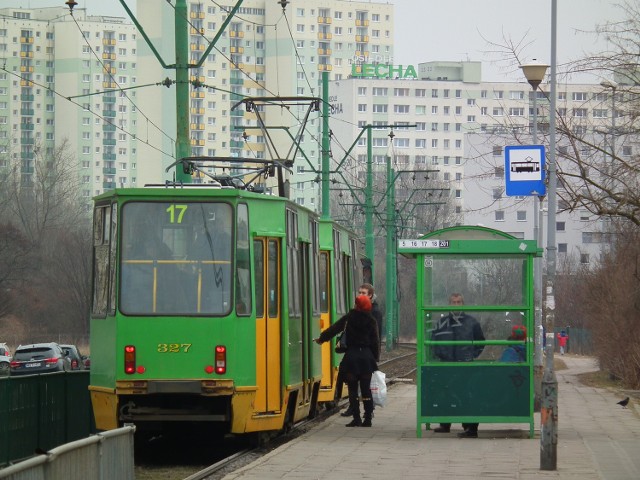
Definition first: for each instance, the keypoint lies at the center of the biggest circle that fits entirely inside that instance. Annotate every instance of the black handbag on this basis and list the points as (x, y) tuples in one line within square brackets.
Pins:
[(341, 341)]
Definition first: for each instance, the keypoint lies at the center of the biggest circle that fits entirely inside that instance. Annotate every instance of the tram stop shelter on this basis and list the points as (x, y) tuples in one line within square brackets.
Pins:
[(462, 379)]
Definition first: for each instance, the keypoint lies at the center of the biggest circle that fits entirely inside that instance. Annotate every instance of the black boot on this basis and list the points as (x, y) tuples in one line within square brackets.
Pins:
[(368, 412), (348, 412), (357, 421)]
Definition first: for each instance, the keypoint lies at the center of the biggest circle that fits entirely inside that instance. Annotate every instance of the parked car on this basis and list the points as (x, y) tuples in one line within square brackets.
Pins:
[(39, 358), (73, 353), (5, 359)]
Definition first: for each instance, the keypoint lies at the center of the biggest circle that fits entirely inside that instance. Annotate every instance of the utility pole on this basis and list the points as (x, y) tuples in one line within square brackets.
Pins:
[(326, 205)]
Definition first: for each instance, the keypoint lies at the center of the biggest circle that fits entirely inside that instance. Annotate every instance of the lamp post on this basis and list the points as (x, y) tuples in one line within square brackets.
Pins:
[(549, 405), (534, 73)]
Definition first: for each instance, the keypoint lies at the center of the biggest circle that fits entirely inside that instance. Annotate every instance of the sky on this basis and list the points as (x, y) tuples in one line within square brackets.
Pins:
[(459, 30)]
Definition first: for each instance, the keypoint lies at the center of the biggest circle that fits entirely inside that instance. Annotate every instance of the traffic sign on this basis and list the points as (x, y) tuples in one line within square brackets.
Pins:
[(524, 170)]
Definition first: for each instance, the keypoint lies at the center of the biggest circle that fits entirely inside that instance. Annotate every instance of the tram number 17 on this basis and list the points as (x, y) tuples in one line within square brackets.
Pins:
[(176, 211)]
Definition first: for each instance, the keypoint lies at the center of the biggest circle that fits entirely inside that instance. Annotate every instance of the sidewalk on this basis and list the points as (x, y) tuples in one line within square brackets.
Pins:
[(597, 439)]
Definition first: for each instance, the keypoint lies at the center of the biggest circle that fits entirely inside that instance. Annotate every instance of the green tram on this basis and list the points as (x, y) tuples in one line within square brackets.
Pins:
[(205, 304)]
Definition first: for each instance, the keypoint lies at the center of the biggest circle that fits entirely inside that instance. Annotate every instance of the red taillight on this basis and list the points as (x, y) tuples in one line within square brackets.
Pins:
[(51, 361), (14, 364), (221, 359), (129, 359), (74, 363)]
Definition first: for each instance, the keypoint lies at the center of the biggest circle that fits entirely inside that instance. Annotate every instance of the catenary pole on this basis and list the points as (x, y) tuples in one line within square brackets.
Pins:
[(325, 147)]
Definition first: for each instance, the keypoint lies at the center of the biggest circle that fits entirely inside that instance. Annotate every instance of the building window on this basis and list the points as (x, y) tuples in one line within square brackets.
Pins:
[(584, 258), (499, 215), (497, 193), (521, 215), (562, 248), (560, 226)]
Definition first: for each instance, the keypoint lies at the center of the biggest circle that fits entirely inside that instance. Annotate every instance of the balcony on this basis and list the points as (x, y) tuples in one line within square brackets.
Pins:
[(27, 170), (109, 157), (109, 99), (197, 111), (326, 20), (197, 47), (362, 23), (26, 126), (26, 69), (26, 112), (27, 141), (26, 83), (196, 126), (106, 127), (236, 34), (26, 54), (362, 38), (109, 171), (237, 66), (236, 144), (109, 185), (236, 49), (27, 156), (324, 51), (237, 81), (26, 98), (324, 36), (196, 31), (325, 67), (108, 41), (26, 39), (197, 94), (196, 14), (238, 112), (109, 141), (108, 84)]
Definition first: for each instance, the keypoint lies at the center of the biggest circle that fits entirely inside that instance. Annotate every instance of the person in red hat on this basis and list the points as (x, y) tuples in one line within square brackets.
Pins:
[(360, 359)]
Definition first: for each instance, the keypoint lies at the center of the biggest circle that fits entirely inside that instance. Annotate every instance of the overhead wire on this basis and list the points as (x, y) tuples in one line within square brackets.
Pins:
[(146, 117), (88, 109)]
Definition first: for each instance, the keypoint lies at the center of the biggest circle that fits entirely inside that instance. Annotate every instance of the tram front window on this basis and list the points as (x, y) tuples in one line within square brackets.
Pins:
[(176, 258)]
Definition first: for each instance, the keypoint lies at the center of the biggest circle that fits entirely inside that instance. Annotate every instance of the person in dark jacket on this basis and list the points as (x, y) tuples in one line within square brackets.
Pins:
[(360, 359), (376, 313), (458, 326)]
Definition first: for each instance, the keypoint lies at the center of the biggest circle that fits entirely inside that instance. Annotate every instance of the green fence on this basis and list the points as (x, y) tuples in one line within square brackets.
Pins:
[(40, 412)]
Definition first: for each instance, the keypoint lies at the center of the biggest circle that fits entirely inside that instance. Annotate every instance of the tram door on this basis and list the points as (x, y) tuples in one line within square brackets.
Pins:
[(325, 315), (267, 270)]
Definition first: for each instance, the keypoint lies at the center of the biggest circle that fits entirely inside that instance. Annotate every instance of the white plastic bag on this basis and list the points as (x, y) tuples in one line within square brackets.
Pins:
[(378, 388)]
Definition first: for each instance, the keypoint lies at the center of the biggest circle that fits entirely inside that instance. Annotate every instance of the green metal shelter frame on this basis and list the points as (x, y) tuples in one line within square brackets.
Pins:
[(494, 272)]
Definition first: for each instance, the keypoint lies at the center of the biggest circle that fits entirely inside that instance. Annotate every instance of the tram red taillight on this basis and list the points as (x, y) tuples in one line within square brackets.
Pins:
[(221, 359), (129, 359)]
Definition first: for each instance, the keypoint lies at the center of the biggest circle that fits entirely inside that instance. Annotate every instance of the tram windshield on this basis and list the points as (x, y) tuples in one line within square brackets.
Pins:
[(176, 258)]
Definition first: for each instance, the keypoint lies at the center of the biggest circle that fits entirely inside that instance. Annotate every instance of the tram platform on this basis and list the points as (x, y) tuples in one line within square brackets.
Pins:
[(597, 439)]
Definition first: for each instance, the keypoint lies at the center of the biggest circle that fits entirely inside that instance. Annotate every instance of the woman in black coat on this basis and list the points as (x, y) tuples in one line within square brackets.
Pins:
[(359, 362)]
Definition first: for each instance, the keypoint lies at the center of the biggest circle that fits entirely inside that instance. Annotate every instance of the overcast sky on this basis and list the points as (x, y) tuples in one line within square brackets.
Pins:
[(456, 30)]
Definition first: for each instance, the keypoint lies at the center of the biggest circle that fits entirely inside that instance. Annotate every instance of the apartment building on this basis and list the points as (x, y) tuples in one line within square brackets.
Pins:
[(265, 51), (446, 118), (61, 81)]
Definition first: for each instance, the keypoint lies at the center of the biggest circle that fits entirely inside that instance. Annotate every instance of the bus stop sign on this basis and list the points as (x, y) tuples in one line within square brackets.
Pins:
[(524, 170)]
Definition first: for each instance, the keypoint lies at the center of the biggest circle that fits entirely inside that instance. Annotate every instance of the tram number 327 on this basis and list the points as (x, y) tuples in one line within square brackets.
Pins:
[(174, 347)]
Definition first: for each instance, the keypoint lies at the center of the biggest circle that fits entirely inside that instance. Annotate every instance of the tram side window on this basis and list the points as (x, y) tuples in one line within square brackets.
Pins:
[(258, 255), (324, 282), (101, 242), (243, 263)]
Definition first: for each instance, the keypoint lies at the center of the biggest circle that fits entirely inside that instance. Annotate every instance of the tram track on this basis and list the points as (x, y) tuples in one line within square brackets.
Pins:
[(399, 365)]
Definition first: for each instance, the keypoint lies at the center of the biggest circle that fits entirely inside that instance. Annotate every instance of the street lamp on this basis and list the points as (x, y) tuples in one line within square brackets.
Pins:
[(534, 73)]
